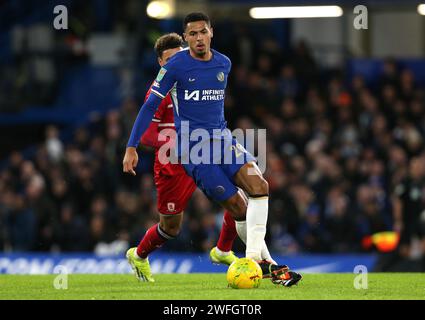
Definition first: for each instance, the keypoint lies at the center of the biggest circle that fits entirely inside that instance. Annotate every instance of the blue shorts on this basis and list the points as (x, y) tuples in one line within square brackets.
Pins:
[(215, 178)]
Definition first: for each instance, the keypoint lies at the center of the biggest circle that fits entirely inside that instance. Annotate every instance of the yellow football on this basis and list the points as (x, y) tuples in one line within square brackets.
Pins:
[(244, 273)]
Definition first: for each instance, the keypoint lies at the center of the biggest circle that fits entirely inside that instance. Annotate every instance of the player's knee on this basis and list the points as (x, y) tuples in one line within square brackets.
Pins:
[(261, 187)]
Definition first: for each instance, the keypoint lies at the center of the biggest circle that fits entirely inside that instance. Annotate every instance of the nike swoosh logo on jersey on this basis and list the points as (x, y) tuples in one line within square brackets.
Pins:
[(191, 79)]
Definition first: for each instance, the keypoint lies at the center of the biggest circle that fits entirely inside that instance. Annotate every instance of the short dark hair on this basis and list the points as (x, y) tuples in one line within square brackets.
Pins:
[(195, 16), (167, 41)]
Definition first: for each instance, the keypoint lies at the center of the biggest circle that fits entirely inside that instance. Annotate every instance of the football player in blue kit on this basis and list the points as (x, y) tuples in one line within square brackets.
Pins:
[(196, 79)]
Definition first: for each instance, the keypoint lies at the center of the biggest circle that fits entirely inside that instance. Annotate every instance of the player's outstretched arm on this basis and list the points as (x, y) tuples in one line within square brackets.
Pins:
[(142, 122)]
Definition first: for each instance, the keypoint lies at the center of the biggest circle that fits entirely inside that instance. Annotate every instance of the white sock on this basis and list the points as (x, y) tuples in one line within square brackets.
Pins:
[(265, 254), (241, 230), (221, 253), (256, 220), (136, 255), (253, 230)]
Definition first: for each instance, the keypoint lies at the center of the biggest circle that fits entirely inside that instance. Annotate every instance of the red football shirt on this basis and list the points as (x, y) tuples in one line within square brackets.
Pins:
[(163, 119)]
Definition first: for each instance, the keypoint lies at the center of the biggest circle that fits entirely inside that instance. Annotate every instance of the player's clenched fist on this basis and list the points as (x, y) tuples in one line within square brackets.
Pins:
[(130, 160)]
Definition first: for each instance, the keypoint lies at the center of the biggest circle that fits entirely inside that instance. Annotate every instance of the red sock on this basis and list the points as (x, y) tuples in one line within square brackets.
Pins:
[(228, 233), (154, 238)]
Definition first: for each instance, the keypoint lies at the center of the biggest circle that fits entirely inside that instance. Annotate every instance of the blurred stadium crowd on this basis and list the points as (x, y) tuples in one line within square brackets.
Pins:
[(339, 155)]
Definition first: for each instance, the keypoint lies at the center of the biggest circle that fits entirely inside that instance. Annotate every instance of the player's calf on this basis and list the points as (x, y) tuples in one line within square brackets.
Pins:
[(171, 224), (236, 205)]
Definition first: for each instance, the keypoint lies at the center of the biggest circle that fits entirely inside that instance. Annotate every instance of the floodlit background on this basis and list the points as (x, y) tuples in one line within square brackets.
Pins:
[(343, 107)]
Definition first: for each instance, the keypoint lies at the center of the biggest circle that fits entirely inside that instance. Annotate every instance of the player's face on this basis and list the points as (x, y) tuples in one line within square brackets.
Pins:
[(167, 54), (198, 36)]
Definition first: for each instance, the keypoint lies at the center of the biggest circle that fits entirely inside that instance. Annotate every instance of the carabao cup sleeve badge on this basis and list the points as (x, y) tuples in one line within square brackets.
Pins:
[(161, 74)]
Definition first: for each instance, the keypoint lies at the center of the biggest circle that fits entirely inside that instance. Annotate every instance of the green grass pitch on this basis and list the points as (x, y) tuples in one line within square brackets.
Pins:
[(381, 286)]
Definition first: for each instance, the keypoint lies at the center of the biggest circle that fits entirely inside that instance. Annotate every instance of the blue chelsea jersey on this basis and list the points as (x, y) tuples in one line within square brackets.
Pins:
[(196, 88)]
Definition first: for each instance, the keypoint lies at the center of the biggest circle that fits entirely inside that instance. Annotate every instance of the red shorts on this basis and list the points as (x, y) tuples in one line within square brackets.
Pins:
[(174, 188)]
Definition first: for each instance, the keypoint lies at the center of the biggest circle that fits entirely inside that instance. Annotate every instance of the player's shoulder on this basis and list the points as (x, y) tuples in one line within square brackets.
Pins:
[(176, 60), (221, 57)]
